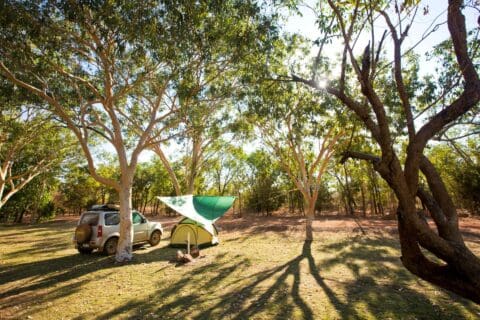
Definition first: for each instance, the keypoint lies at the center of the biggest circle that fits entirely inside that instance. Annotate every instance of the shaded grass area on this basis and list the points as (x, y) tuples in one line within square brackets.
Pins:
[(253, 274)]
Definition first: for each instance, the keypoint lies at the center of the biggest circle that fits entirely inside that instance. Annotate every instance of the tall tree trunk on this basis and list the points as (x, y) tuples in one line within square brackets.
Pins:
[(309, 215), (375, 193), (364, 203), (124, 247), (291, 203), (373, 205), (239, 204), (195, 164), (380, 205), (343, 194), (3, 176), (155, 207), (19, 217), (392, 202), (350, 205), (166, 164)]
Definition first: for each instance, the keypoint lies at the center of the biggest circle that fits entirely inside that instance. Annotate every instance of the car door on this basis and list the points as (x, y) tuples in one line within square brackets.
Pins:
[(140, 227)]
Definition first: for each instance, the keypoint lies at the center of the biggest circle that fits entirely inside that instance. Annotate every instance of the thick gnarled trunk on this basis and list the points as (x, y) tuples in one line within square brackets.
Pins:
[(460, 275), (459, 269)]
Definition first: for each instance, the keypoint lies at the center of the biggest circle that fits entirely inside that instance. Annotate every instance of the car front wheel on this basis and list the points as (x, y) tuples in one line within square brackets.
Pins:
[(155, 238), (110, 247)]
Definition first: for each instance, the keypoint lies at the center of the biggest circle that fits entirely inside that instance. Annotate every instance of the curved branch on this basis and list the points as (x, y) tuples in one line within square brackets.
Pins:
[(361, 156)]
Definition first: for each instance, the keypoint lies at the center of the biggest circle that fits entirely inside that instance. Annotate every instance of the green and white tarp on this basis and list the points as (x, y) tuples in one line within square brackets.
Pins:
[(204, 210)]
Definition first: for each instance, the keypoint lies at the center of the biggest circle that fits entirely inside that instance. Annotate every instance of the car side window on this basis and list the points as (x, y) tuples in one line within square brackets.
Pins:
[(112, 219), (90, 218), (137, 218)]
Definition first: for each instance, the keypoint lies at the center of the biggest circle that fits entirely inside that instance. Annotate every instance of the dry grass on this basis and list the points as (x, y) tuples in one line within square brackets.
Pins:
[(256, 272)]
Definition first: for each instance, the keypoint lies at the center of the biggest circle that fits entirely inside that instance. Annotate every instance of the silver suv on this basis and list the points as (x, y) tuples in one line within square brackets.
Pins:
[(98, 228)]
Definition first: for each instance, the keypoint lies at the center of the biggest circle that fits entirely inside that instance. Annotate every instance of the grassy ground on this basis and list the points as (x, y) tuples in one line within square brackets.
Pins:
[(253, 274)]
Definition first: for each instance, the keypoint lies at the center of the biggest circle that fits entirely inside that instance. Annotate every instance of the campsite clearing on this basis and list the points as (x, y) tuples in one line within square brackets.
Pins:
[(262, 269)]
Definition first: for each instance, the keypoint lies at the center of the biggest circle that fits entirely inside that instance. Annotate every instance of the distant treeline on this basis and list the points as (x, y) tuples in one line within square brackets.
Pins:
[(259, 184)]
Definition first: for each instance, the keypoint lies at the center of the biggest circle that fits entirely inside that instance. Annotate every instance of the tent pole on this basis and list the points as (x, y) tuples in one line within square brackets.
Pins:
[(196, 238)]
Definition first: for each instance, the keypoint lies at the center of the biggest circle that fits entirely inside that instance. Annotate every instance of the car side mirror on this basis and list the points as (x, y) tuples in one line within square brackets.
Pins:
[(144, 220)]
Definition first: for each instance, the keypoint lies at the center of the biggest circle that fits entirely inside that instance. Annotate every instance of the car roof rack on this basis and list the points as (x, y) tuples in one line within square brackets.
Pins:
[(105, 207)]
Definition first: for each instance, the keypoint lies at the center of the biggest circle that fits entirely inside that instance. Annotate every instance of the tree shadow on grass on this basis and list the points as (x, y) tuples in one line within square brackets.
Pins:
[(53, 270), (39, 247), (384, 288), (379, 288), (23, 229), (242, 302), (471, 236), (193, 289), (27, 283)]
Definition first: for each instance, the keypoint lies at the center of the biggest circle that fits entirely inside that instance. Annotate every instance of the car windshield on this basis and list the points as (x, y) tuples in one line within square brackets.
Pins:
[(112, 218), (90, 218)]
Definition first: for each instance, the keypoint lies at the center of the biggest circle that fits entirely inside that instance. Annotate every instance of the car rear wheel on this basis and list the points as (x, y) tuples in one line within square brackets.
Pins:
[(155, 238), (85, 250), (110, 247)]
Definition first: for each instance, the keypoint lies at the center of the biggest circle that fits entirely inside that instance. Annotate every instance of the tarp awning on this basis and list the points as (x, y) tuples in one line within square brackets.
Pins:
[(204, 210)]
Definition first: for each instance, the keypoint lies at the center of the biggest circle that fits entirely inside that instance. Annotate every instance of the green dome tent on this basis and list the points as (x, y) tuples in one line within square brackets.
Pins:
[(201, 212), (189, 230)]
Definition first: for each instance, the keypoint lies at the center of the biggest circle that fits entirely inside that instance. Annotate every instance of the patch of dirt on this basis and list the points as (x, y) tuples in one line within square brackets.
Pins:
[(332, 223)]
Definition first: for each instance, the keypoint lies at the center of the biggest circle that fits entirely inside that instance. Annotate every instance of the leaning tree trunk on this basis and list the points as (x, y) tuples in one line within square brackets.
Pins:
[(124, 247)]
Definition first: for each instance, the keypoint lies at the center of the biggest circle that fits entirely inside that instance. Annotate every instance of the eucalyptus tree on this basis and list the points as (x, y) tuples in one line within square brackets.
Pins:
[(459, 166), (227, 172), (229, 42), (78, 190), (446, 83), (264, 182), (300, 129), (467, 178), (456, 267), (100, 76), (30, 142), (226, 168), (35, 201), (151, 179)]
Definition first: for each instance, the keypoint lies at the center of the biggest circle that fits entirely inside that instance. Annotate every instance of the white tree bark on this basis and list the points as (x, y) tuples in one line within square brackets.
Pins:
[(124, 247)]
